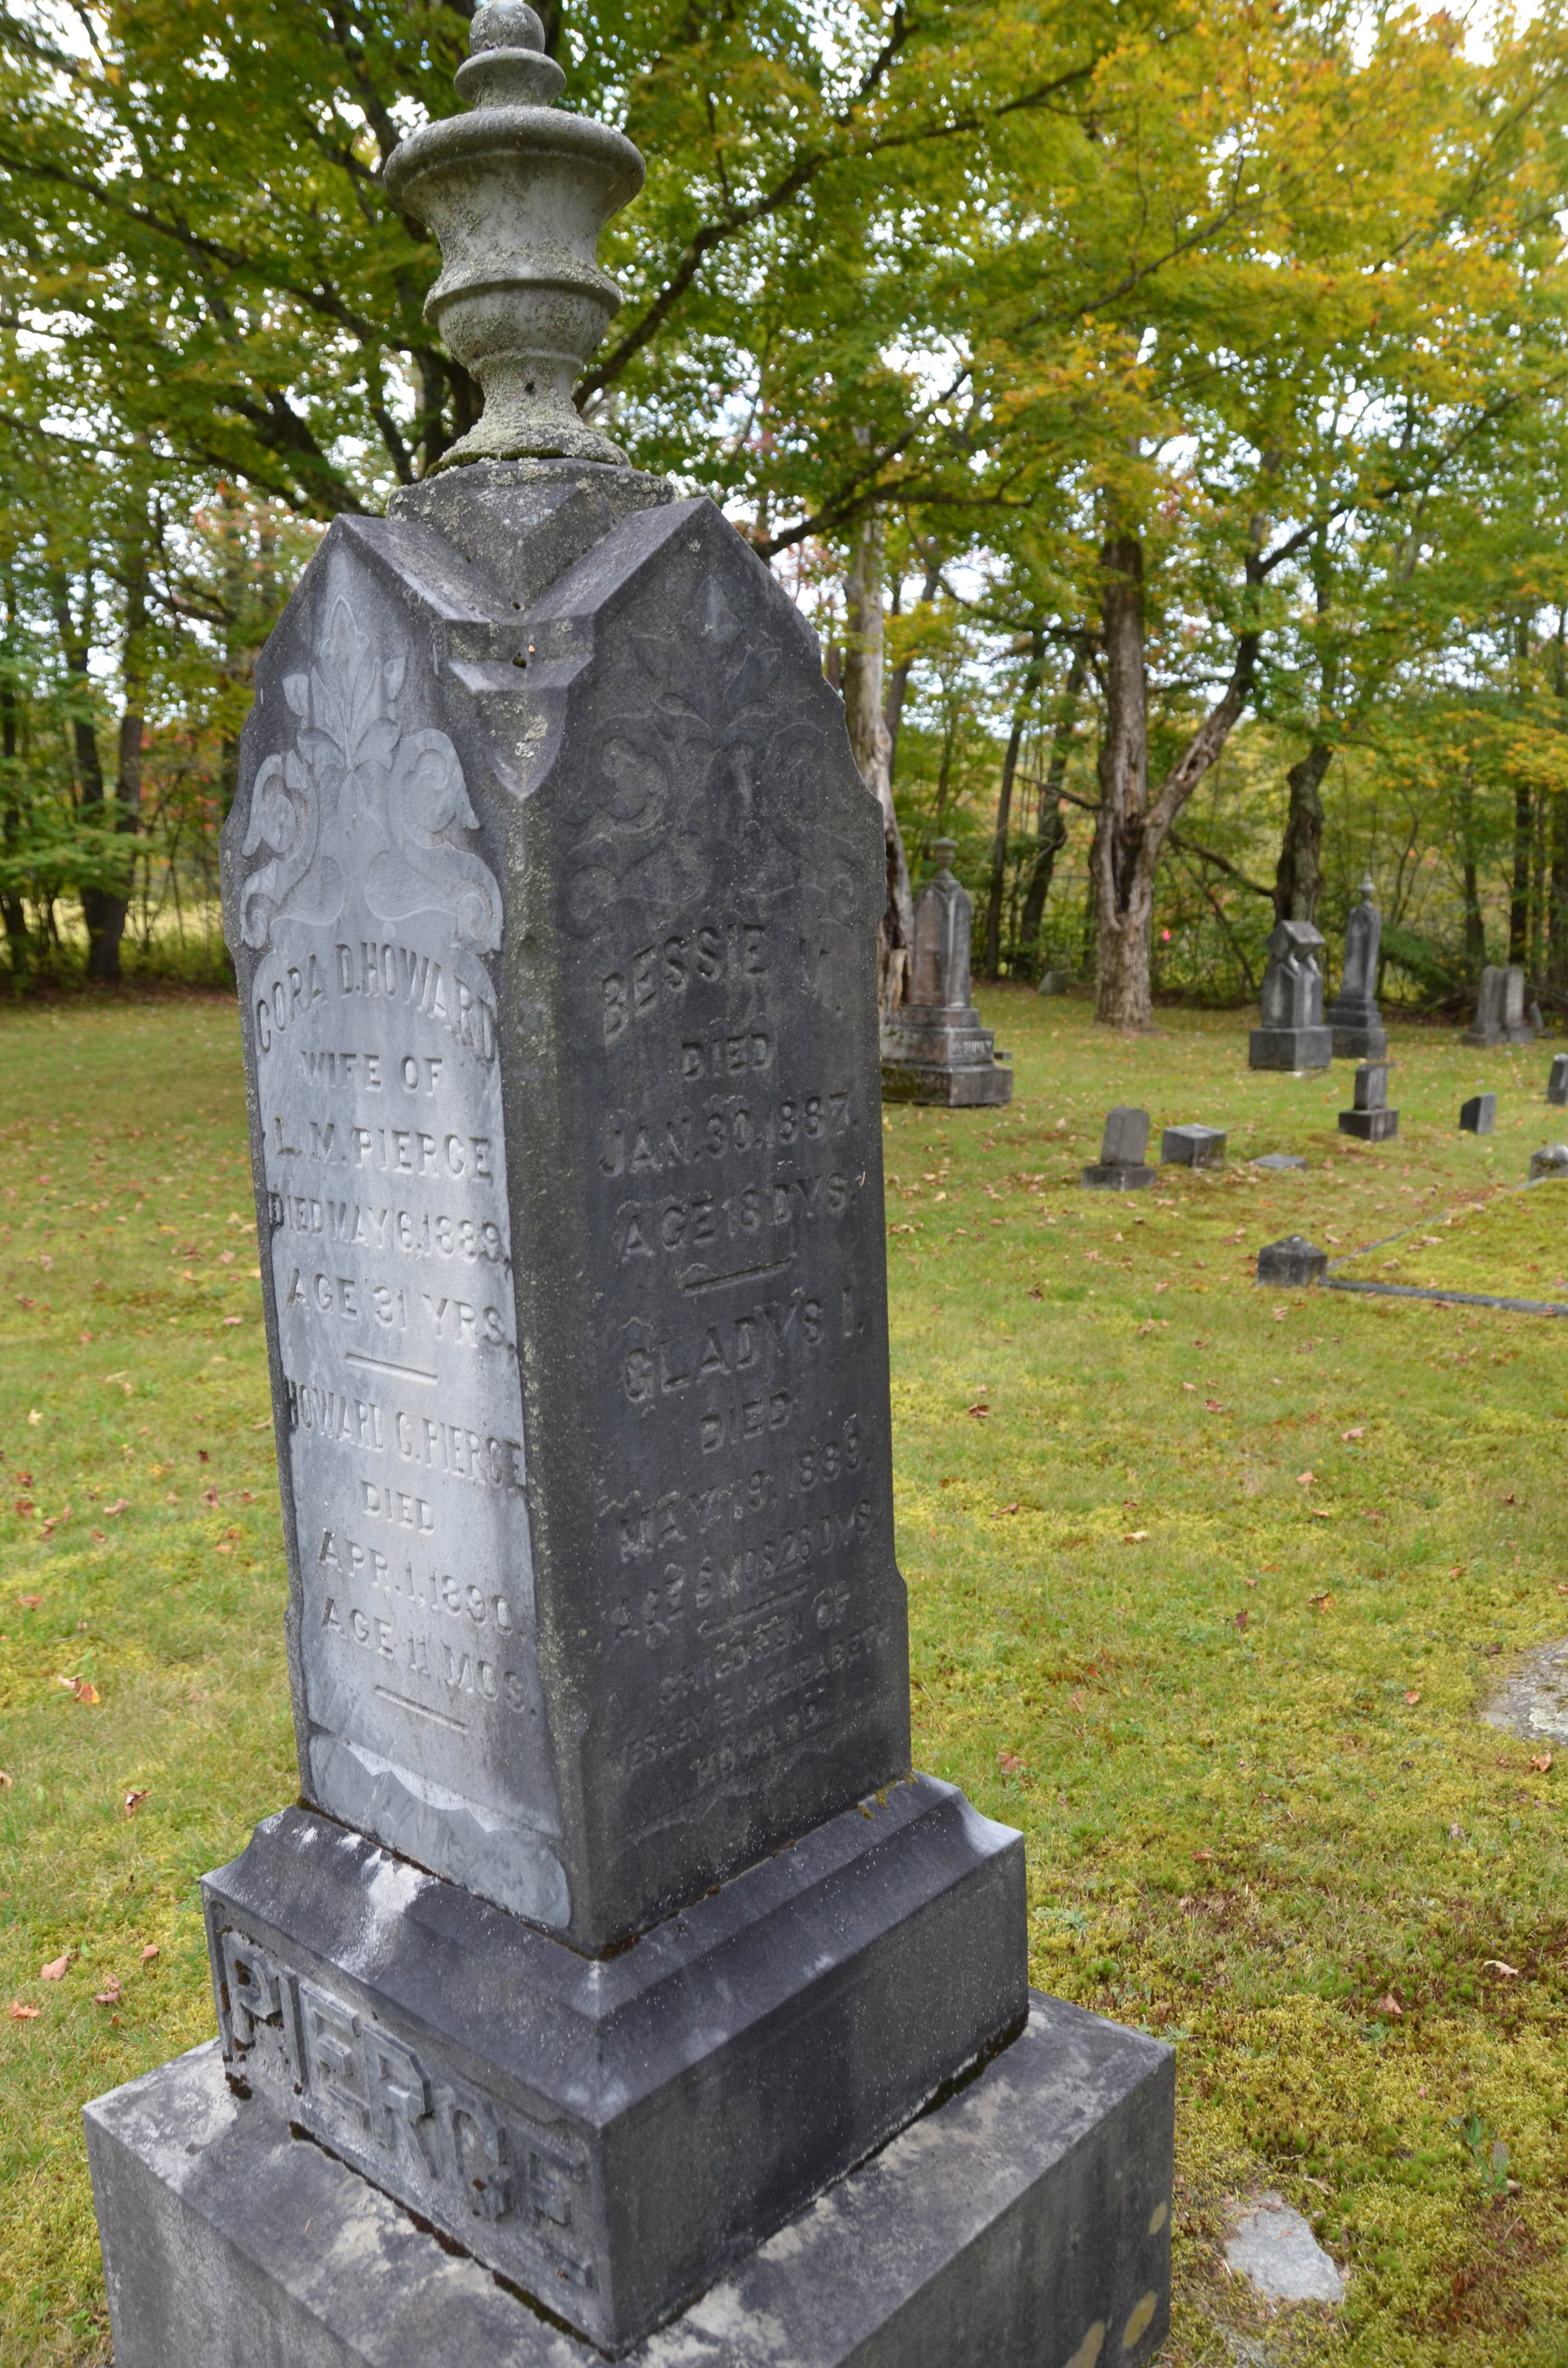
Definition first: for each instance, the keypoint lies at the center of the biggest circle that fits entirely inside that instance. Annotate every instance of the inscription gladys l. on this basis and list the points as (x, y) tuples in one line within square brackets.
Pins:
[(402, 2115)]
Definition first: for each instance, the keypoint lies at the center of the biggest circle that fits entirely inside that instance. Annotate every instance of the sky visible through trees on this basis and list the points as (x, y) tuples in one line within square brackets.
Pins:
[(1161, 414)]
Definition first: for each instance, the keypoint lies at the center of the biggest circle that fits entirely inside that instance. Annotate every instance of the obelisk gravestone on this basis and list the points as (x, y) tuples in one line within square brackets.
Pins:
[(611, 1927)]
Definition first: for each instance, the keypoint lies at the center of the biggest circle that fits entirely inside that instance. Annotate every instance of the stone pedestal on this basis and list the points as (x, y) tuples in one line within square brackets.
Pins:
[(612, 1931), (1292, 1035), (1121, 1166), (1295, 1260), (1370, 1118), (1353, 1016), (934, 1048), (1024, 2221), (1193, 1146)]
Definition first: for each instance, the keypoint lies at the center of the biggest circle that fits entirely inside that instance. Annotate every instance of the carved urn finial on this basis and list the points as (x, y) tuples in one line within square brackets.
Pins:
[(1368, 888), (516, 194)]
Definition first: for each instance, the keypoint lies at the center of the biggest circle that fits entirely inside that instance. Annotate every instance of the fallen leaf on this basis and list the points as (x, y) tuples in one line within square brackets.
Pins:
[(1242, 1617), (202, 1456), (1541, 1763), (1320, 1603), (100, 1537), (1413, 1696), (25, 1505), (1497, 1965), (979, 1412), (1389, 2004), (1305, 1479), (134, 1801), (29, 1602), (57, 1968), (149, 1952), (209, 1496), (1359, 1432), (110, 1993), (233, 1319), (6, 1780), (1009, 1763), (1191, 1385), (21, 2013), (34, 1416), (1203, 1854), (1134, 1537), (120, 1505), (1006, 1508)]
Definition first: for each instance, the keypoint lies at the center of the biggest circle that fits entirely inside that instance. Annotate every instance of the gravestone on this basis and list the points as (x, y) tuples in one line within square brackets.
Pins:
[(1557, 1083), (1293, 1260), (1281, 1162), (1478, 1115), (611, 1925), (1537, 1017), (1370, 1118), (1292, 1035), (1054, 982), (1193, 1146), (1551, 1159), (934, 1048), (1353, 1015), (1121, 1166), (1500, 1009)]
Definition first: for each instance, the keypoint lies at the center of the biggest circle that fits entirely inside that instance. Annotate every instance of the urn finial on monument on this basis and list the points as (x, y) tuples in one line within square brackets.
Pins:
[(516, 194)]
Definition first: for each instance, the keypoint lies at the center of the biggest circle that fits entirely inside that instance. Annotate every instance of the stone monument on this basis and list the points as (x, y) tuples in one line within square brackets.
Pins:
[(1500, 1009), (1478, 1115), (1193, 1146), (1551, 1159), (1295, 1260), (612, 1929), (934, 1048), (1293, 1035), (1557, 1083), (1369, 1118), (1121, 1166), (1353, 1015)]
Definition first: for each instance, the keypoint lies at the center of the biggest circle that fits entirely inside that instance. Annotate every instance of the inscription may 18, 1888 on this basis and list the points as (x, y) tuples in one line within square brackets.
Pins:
[(561, 1037)]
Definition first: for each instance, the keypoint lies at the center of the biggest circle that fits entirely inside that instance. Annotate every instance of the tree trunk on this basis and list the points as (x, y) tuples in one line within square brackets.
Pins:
[(1297, 879), (104, 955), (11, 902), (1520, 896), (872, 746), (1474, 919), (88, 766), (898, 682), (1026, 698), (1052, 831)]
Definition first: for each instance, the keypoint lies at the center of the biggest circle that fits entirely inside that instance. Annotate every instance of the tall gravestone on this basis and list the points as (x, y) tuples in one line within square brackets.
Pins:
[(1353, 1015), (611, 1925), (1500, 1009), (934, 1048), (1292, 1034)]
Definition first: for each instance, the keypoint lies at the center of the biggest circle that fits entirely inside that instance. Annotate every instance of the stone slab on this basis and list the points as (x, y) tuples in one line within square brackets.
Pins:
[(553, 911), (1280, 1163), (1557, 1083), (1478, 1115), (1369, 1125), (1273, 2247), (952, 1088), (1296, 1048), (1023, 2224), (1356, 1039), (1532, 1702), (608, 2134), (1116, 1175), (1193, 1146), (1294, 1261)]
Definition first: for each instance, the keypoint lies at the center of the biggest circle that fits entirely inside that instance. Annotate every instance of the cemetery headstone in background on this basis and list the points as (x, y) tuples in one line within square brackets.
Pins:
[(1370, 1118), (611, 1927), (1121, 1166), (1551, 1159), (934, 1048), (1353, 1015), (1500, 1009), (1292, 1035), (1557, 1083), (1478, 1115), (1293, 1260), (1193, 1146)]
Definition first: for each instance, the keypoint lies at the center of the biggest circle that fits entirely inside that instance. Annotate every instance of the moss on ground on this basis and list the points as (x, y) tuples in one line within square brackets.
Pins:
[(1206, 1584)]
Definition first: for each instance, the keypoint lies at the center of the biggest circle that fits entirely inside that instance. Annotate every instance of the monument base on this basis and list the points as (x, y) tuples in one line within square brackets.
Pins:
[(1024, 2224), (1369, 1127), (938, 1053), (1295, 1049), (1116, 1175), (1358, 1040)]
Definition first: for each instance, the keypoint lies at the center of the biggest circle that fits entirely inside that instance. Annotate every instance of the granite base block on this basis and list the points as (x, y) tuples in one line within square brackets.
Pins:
[(972, 1088), (608, 2133), (1296, 1048), (1369, 1125), (1355, 1042), (1116, 1175), (1025, 2223)]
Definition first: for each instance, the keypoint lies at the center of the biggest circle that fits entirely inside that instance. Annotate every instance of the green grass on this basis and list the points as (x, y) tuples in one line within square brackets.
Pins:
[(1139, 1633)]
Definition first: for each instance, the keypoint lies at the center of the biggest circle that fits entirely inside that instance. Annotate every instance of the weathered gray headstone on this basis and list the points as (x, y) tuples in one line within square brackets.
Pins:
[(1557, 1083), (1292, 1035), (1551, 1159), (1293, 1260), (1500, 1008), (1121, 1166), (1281, 1162), (1054, 982), (934, 1048), (612, 1926), (1354, 1017), (1370, 1118), (1478, 1115), (1193, 1146)]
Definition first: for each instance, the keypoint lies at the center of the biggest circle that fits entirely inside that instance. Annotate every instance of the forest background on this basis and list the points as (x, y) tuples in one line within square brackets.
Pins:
[(1162, 412)]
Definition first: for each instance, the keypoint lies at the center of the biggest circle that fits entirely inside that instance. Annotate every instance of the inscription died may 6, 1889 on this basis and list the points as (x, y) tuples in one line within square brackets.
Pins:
[(591, 1487)]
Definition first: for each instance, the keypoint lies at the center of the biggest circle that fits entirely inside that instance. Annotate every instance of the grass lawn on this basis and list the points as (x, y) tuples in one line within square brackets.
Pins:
[(1206, 1584)]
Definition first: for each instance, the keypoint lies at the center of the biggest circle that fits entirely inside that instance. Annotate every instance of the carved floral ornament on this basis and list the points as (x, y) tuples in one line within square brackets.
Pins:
[(357, 772)]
